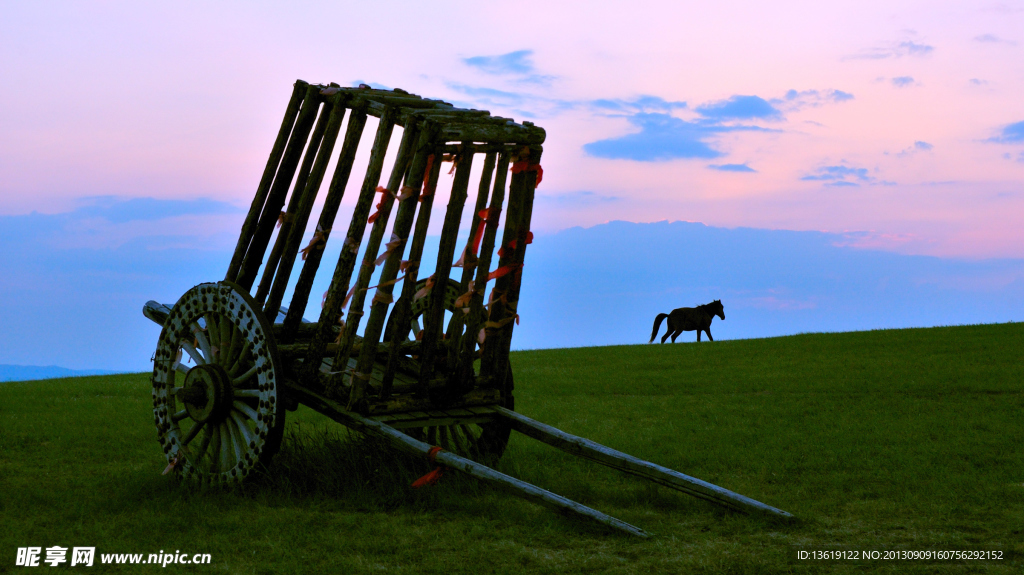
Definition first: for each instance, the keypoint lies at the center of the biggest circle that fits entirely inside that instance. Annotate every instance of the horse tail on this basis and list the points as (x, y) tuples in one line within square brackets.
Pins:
[(657, 324)]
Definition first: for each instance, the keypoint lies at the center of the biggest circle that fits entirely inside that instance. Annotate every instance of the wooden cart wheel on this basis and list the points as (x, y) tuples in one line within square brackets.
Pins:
[(217, 400), (481, 442)]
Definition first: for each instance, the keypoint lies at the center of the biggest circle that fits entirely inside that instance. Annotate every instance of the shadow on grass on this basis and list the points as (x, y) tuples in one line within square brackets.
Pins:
[(360, 472), (334, 468)]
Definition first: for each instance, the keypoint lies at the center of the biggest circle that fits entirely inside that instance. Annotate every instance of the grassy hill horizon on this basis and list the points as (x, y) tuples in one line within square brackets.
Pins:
[(12, 372), (885, 439)]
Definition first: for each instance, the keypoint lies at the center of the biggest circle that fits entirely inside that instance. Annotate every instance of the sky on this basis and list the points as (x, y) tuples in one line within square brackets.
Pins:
[(140, 130)]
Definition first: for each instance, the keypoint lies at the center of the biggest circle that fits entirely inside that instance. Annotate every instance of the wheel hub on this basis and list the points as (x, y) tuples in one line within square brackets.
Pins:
[(207, 393)]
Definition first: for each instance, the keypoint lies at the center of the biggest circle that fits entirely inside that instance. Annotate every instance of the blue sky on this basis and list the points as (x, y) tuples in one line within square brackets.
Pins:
[(78, 295)]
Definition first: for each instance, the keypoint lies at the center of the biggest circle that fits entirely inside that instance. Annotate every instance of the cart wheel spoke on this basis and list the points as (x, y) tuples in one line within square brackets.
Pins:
[(240, 360), (237, 444), (203, 444), (246, 410), (203, 341), (193, 353), (248, 437), (467, 441), (220, 334), (238, 381), (192, 433), (214, 448), (224, 457), (231, 336), (449, 439)]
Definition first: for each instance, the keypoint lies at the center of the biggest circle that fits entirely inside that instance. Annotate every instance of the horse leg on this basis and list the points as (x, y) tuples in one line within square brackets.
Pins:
[(708, 330), (698, 335)]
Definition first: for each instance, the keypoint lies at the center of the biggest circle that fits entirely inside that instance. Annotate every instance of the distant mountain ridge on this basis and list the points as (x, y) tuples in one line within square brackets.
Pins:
[(29, 372)]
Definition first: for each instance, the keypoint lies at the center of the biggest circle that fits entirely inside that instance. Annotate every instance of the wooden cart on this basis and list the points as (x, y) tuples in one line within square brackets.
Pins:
[(431, 383)]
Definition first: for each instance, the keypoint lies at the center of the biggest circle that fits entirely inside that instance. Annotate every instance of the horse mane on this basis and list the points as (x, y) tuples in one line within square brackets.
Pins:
[(712, 307)]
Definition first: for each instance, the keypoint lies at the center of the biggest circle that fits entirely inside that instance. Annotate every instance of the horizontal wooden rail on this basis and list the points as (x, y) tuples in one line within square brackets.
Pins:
[(606, 456)]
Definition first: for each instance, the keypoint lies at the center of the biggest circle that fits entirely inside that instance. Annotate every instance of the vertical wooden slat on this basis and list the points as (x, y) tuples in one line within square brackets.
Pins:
[(332, 308), (316, 140), (366, 269), (248, 227), (310, 190), (458, 321), (354, 132), (478, 315), (434, 315), (373, 328), (379, 309), (506, 288), (474, 322), (402, 310), (282, 181)]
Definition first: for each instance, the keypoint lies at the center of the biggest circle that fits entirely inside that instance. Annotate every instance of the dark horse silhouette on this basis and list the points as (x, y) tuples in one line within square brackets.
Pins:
[(689, 319)]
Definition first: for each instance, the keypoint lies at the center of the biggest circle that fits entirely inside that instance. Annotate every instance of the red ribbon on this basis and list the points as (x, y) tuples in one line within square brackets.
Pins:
[(512, 245), (426, 174), (474, 243), (315, 242), (177, 459), (485, 216), (525, 166), (503, 270), (425, 289), (427, 189), (463, 300), (383, 192), (394, 243), (435, 475)]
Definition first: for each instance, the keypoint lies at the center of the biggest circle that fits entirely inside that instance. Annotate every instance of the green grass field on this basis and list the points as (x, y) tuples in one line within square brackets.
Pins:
[(898, 439)]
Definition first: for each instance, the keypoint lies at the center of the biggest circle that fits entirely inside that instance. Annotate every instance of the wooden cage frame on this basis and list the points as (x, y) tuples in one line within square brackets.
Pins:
[(433, 130)]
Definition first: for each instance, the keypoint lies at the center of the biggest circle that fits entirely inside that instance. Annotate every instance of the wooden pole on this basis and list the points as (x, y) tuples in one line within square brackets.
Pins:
[(309, 193), (268, 177), (635, 466), (402, 311), (379, 304), (477, 313), (407, 444), (414, 139), (338, 289), (496, 346), (354, 132), (459, 378), (434, 316), (292, 212), (331, 311), (282, 181)]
